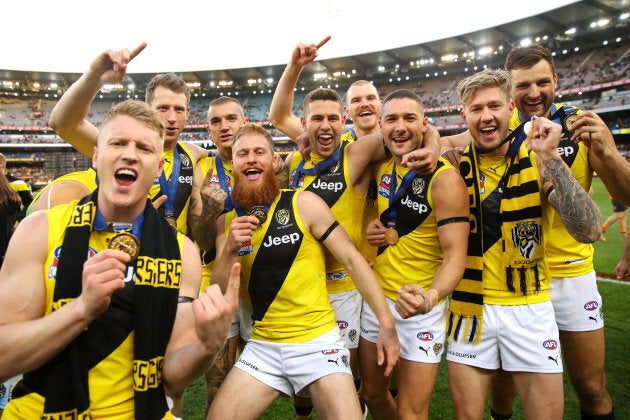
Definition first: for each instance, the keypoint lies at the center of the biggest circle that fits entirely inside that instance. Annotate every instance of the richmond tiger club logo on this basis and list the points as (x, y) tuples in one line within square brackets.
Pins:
[(525, 237), (418, 185), (184, 159), (283, 217)]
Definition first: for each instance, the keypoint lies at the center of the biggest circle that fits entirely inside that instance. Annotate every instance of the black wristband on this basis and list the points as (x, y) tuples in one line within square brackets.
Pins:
[(184, 299)]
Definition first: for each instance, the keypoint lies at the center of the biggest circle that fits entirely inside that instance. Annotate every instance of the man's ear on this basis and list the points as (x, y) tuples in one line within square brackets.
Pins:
[(95, 157)]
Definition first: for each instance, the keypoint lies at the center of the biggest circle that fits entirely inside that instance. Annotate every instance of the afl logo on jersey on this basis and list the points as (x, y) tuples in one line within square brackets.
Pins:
[(550, 344), (328, 352), (425, 336), (384, 185), (52, 270), (417, 185), (283, 216), (342, 324), (591, 306)]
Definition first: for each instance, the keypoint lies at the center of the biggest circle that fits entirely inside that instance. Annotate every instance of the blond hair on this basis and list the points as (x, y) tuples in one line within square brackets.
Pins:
[(487, 78)]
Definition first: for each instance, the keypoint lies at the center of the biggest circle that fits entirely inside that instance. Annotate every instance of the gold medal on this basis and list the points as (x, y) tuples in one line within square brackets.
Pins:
[(125, 242), (171, 221), (569, 120), (391, 236), (260, 214)]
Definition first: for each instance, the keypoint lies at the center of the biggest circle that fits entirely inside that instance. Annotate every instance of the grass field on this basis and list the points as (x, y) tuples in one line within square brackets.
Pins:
[(615, 295)]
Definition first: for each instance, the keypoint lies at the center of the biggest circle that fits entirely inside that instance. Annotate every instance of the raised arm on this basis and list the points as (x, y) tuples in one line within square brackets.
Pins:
[(28, 337), (281, 111), (201, 326), (206, 203), (578, 211), (68, 117), (319, 219)]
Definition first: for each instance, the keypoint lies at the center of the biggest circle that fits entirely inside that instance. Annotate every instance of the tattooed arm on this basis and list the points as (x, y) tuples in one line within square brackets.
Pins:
[(206, 203), (579, 213)]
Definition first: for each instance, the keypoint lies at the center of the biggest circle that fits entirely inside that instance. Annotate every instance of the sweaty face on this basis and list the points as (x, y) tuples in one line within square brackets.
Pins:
[(324, 125), (534, 89), (173, 110), (252, 167), (223, 121), (128, 158), (488, 114), (364, 108), (403, 125)]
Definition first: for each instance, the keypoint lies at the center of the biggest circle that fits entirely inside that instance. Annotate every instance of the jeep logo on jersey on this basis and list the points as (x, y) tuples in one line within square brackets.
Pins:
[(425, 336), (591, 306), (342, 324), (331, 186), (184, 159), (185, 179), (419, 207), (417, 185), (566, 151), (279, 240), (283, 216), (550, 344)]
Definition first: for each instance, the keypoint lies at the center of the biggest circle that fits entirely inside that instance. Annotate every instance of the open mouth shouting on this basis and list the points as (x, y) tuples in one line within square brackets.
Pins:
[(253, 174), (125, 176)]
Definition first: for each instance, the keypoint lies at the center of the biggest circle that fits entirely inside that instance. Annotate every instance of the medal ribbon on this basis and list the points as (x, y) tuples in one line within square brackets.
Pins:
[(136, 226), (321, 166), (169, 187), (223, 183), (394, 195)]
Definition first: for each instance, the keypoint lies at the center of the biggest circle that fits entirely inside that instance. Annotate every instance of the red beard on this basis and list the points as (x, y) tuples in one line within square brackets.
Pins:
[(249, 195)]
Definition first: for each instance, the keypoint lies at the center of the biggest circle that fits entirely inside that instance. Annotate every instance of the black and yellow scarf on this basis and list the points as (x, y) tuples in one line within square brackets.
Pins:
[(520, 211), (63, 381)]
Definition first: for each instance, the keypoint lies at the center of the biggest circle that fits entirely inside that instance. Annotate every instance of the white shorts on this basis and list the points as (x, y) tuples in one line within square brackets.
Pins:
[(5, 391), (242, 321), (421, 336), (577, 303), (289, 367), (347, 307), (521, 338)]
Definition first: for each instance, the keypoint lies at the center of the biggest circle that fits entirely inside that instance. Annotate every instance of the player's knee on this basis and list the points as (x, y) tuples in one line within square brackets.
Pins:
[(592, 391), (371, 395)]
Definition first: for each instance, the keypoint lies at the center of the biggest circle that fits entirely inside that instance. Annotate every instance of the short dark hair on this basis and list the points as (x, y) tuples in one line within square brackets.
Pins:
[(526, 57), (321, 94), (403, 94)]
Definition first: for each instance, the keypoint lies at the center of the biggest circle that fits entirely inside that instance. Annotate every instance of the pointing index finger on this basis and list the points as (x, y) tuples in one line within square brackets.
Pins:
[(323, 41), (137, 50)]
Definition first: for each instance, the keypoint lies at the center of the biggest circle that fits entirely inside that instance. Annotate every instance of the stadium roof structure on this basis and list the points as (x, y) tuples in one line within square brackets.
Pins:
[(575, 24)]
